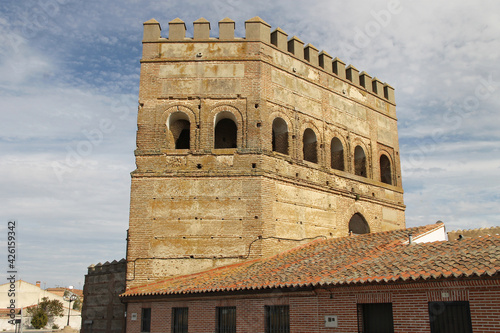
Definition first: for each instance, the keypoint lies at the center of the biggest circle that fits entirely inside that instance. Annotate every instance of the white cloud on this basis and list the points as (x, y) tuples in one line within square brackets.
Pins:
[(19, 62)]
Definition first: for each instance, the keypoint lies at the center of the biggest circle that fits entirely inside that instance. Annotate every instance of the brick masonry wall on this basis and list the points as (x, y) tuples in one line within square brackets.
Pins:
[(102, 306), (308, 308), (198, 208)]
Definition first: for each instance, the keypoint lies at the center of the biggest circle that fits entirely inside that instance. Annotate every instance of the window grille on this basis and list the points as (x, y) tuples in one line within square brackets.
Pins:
[(226, 319), (450, 317), (277, 319), (146, 320), (179, 320)]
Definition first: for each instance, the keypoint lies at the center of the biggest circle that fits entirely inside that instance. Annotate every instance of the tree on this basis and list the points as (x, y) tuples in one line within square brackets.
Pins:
[(39, 319), (45, 311)]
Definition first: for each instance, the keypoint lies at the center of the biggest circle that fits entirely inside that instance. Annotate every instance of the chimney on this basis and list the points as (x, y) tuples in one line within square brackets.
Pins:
[(38, 284)]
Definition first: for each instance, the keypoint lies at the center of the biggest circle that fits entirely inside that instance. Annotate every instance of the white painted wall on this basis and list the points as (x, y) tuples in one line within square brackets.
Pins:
[(28, 294), (438, 234)]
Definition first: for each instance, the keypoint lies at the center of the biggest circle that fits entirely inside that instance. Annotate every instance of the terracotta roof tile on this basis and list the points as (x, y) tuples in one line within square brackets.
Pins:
[(365, 258)]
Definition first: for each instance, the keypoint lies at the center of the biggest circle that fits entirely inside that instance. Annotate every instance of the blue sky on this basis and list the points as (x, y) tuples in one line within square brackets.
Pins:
[(69, 77)]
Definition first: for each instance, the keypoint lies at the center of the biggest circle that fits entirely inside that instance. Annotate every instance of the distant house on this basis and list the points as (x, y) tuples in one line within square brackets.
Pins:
[(395, 281), (459, 234), (61, 290), (27, 295)]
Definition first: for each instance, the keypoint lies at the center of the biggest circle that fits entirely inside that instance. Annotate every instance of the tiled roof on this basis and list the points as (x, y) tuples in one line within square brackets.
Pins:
[(375, 257)]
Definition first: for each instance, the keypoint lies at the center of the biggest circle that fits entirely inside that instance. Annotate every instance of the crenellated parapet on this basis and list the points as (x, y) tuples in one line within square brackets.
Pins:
[(258, 30), (107, 267)]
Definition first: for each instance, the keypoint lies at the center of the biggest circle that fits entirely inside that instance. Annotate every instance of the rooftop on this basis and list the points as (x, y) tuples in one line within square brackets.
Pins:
[(61, 290), (368, 258)]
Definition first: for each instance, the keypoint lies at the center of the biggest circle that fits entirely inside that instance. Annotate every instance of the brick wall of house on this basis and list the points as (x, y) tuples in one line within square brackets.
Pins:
[(309, 307)]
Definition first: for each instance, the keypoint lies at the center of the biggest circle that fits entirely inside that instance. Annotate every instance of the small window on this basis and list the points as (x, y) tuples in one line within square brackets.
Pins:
[(450, 317), (359, 162), (375, 318), (277, 319), (337, 154), (310, 146), (146, 320), (358, 225), (226, 319), (179, 126), (179, 320), (385, 170), (226, 131), (280, 136)]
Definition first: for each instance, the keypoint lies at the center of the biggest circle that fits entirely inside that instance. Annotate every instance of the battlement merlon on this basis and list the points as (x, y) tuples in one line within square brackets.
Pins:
[(257, 29), (107, 267)]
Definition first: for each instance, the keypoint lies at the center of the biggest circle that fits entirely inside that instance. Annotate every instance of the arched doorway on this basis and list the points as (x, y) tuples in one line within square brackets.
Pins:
[(358, 225)]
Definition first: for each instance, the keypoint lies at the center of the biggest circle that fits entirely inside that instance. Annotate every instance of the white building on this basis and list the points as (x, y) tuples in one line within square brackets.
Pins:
[(25, 295)]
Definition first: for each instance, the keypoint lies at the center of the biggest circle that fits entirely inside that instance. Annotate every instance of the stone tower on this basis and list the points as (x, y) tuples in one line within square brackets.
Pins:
[(250, 146)]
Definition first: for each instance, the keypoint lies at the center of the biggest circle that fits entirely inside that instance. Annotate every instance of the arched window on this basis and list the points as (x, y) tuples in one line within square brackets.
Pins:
[(385, 170), (280, 136), (179, 126), (226, 131), (358, 225), (359, 162), (337, 154), (310, 144)]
